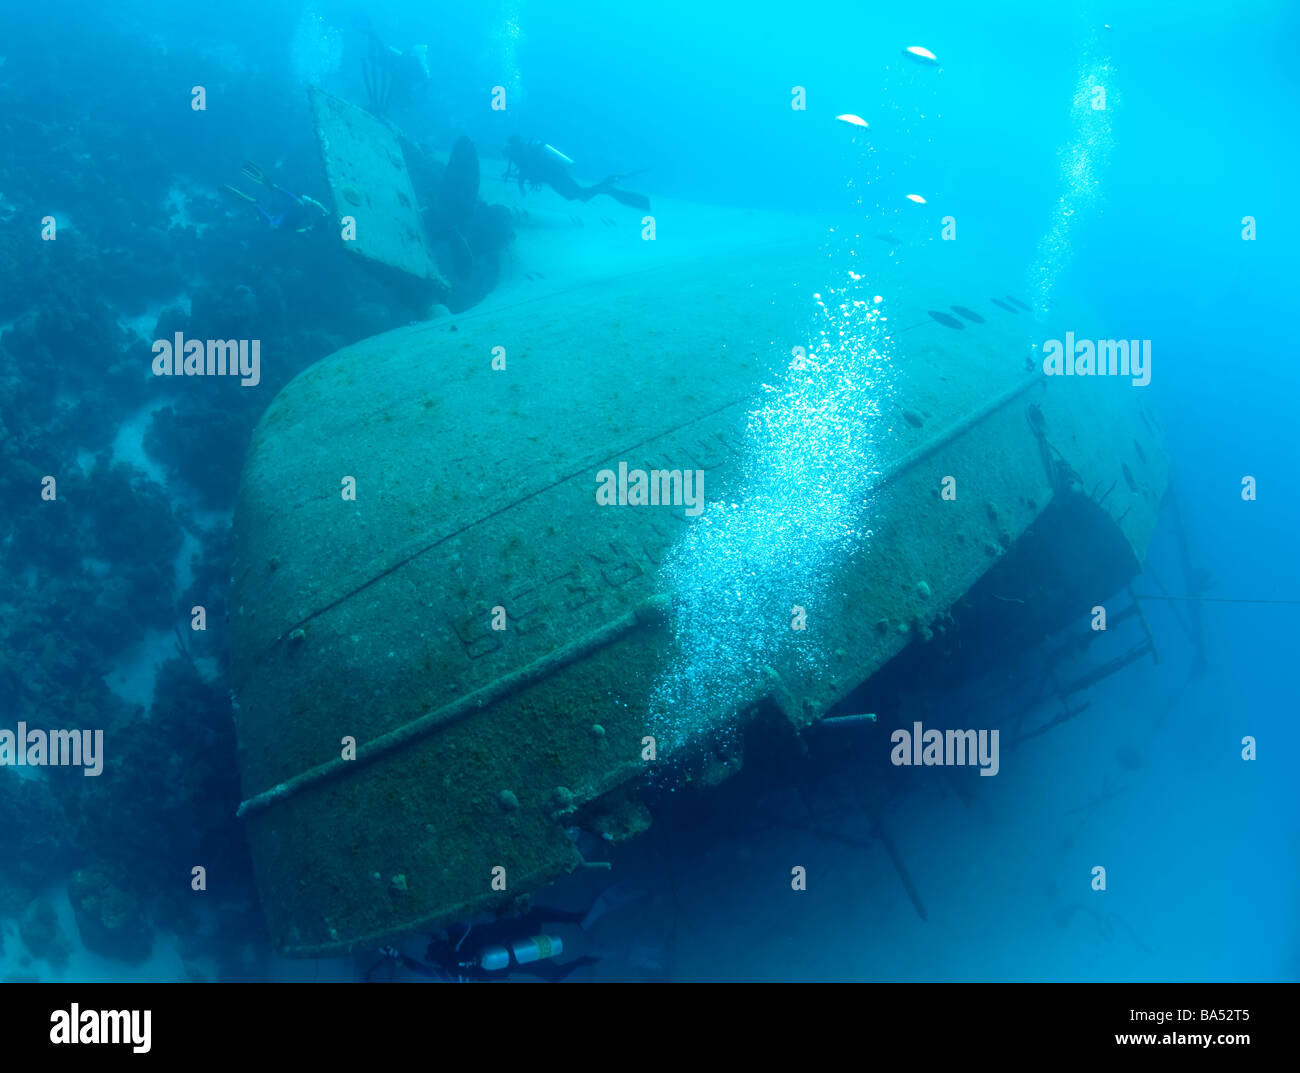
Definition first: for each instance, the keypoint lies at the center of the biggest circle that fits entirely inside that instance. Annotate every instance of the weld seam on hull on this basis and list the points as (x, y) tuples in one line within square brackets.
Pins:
[(919, 454), (425, 548), (648, 611)]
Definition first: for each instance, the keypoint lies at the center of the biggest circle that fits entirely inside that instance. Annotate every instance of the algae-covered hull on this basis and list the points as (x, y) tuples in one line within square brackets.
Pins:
[(402, 758)]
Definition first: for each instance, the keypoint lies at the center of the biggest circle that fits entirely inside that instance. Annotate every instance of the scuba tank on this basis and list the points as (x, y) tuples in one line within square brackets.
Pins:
[(523, 951), (557, 156)]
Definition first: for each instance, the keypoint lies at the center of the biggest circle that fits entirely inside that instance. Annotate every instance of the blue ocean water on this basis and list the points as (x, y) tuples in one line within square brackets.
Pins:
[(694, 105)]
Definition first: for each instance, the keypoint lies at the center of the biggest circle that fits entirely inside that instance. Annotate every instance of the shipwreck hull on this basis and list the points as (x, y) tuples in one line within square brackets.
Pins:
[(371, 619)]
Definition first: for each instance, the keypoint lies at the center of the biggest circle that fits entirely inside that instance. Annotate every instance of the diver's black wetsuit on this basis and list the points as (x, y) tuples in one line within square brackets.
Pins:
[(537, 164)]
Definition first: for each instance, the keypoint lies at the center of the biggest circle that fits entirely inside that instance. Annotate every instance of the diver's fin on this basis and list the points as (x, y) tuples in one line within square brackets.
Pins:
[(419, 968), (240, 194), (623, 197), (635, 201)]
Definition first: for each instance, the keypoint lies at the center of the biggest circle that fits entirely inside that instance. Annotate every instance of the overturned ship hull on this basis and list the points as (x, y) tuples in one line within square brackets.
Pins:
[(369, 620)]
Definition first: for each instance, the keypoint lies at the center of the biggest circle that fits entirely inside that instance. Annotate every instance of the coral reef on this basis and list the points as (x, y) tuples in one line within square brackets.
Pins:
[(108, 918), (41, 934)]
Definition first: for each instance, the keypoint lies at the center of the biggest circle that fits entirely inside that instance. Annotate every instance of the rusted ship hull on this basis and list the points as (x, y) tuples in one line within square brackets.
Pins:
[(370, 620)]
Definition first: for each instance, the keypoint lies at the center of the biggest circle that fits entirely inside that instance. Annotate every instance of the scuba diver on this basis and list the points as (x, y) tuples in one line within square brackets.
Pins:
[(519, 944), (392, 77), (285, 210), (537, 164)]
